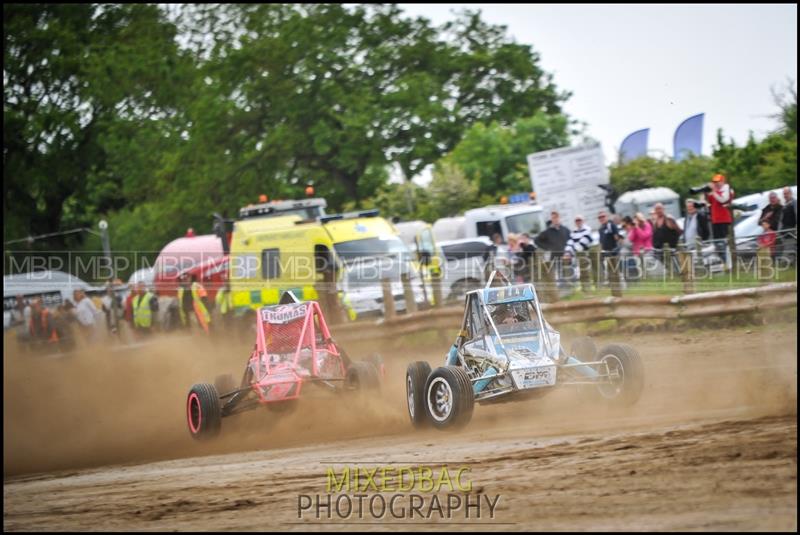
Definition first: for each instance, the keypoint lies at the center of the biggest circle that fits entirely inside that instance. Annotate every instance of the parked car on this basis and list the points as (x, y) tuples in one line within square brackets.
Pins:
[(465, 265)]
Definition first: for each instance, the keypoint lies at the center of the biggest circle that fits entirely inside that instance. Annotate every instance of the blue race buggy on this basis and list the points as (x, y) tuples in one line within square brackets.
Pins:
[(507, 351)]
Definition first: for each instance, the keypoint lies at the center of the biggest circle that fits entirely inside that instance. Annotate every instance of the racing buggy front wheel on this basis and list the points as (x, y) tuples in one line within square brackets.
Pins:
[(416, 376), (449, 399), (203, 411), (625, 380)]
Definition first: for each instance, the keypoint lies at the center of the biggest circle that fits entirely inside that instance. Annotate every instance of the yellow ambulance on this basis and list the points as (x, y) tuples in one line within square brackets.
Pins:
[(270, 255)]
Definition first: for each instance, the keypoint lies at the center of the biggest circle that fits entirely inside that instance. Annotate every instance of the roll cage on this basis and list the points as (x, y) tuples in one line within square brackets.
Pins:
[(478, 320)]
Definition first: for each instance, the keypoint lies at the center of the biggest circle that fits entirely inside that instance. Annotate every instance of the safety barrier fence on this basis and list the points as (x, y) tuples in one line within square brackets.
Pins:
[(707, 304)]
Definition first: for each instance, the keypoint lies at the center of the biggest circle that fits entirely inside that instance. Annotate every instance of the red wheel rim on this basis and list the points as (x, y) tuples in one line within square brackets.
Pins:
[(194, 413)]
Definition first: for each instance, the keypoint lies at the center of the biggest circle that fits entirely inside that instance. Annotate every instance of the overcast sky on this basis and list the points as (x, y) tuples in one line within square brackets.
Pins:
[(632, 67)]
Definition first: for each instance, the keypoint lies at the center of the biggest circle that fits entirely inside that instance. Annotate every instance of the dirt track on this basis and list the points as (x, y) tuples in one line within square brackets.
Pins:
[(711, 445)]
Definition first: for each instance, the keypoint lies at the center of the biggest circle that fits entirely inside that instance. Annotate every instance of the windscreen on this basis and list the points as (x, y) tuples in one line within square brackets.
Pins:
[(511, 318), (372, 271), (530, 222), (372, 247)]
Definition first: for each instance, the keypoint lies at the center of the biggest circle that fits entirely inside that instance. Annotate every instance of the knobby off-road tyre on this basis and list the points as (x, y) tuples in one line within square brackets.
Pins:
[(203, 411), (416, 378), (625, 363), (449, 398)]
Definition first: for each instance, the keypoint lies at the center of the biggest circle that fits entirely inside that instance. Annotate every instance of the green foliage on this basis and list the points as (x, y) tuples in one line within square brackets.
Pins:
[(105, 115), (88, 90), (450, 192), (494, 157)]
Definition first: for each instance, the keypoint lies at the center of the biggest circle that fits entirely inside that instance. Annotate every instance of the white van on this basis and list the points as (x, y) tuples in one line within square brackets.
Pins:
[(504, 219), (494, 219)]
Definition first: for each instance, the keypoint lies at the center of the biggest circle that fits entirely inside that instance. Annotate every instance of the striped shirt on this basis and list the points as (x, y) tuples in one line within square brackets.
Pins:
[(580, 240)]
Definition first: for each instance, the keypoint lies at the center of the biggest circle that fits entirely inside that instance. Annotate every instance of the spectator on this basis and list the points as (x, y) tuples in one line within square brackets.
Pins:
[(554, 238), (580, 239), (788, 238), (617, 220), (109, 301), (640, 234), (128, 314), (86, 313), (627, 225), (21, 312), (629, 262), (768, 238), (512, 250), (609, 235), (145, 309), (666, 232), (610, 241), (789, 215), (194, 302), (695, 226), (224, 306), (501, 247), (20, 318), (772, 212), (41, 326), (525, 255), (719, 199)]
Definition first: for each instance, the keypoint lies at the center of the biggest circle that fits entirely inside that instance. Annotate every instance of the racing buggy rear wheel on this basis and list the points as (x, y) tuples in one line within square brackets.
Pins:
[(203, 411), (449, 399), (416, 377), (626, 374), (362, 376)]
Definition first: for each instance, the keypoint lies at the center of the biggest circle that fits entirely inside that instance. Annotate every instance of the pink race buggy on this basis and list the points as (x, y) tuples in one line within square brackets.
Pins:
[(293, 348)]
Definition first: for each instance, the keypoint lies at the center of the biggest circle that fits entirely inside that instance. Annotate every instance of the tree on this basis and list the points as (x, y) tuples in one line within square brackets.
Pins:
[(495, 156), (88, 92), (450, 192), (786, 100), (331, 93), (157, 117)]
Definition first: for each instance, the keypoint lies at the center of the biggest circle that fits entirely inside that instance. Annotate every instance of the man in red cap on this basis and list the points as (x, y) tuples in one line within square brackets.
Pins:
[(719, 199)]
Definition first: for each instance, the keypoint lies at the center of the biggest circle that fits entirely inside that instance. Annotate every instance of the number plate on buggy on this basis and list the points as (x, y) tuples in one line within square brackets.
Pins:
[(533, 377)]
